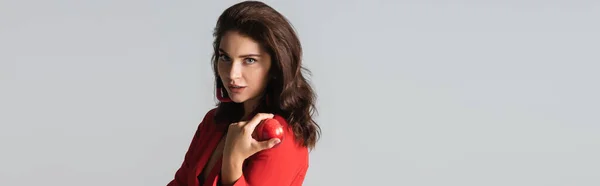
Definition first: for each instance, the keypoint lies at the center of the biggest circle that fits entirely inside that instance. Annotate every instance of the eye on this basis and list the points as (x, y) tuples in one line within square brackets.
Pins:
[(224, 57), (250, 60)]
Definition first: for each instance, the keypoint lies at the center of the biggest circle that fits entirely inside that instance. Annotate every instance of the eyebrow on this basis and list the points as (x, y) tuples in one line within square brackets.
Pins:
[(241, 56)]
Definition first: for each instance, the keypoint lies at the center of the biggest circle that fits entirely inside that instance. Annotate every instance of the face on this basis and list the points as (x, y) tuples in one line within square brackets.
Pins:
[(243, 67)]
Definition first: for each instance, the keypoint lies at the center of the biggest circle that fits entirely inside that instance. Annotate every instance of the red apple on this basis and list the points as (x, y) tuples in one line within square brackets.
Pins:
[(268, 129)]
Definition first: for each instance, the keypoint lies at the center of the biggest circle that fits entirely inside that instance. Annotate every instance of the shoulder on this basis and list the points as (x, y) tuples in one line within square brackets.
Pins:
[(289, 148), (208, 118), (289, 132), (210, 114)]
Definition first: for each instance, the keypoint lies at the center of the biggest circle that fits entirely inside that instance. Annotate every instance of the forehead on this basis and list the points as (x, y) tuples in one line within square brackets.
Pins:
[(235, 43)]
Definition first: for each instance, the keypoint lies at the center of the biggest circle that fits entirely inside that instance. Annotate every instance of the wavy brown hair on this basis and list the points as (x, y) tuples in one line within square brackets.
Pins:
[(288, 93)]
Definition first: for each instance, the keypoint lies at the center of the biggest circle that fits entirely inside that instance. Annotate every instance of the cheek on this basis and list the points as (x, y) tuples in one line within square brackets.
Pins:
[(260, 78), (222, 70)]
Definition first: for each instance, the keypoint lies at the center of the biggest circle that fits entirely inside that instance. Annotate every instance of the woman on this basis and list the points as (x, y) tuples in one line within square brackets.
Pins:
[(257, 61)]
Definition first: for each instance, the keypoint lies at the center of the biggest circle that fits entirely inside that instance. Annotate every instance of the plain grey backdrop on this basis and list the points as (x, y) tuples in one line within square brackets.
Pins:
[(419, 93)]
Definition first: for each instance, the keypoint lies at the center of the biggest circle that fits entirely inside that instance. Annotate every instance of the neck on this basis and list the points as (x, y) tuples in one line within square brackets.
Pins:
[(250, 106)]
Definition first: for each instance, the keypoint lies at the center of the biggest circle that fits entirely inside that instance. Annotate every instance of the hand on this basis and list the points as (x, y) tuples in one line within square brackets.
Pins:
[(239, 143)]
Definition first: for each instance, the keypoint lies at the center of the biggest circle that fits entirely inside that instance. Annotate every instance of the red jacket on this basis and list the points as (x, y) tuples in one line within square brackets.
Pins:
[(285, 164)]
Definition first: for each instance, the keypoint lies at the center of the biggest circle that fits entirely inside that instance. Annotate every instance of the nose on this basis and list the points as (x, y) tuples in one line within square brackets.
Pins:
[(235, 71)]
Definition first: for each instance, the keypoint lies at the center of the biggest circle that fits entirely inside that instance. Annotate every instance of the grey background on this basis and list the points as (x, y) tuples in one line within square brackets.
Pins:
[(420, 93)]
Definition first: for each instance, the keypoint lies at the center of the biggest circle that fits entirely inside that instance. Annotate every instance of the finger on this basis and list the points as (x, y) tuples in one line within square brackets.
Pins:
[(262, 145), (235, 126), (241, 123), (256, 120)]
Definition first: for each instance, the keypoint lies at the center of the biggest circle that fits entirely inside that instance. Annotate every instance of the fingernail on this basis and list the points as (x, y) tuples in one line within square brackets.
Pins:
[(277, 141)]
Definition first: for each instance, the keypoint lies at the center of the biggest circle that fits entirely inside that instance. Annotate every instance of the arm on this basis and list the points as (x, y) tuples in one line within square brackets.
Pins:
[(268, 168), (284, 164)]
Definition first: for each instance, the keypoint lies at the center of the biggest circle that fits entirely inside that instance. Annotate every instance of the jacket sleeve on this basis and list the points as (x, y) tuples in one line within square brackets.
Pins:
[(284, 164), (181, 176)]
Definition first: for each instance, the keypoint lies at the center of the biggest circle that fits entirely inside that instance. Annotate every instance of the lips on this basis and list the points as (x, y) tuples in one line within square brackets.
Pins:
[(236, 88)]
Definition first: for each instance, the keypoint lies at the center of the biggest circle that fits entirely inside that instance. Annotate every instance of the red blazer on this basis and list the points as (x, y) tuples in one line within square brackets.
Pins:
[(285, 164)]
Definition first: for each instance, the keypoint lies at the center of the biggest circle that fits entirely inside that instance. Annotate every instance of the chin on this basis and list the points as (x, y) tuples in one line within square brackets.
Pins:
[(238, 100)]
